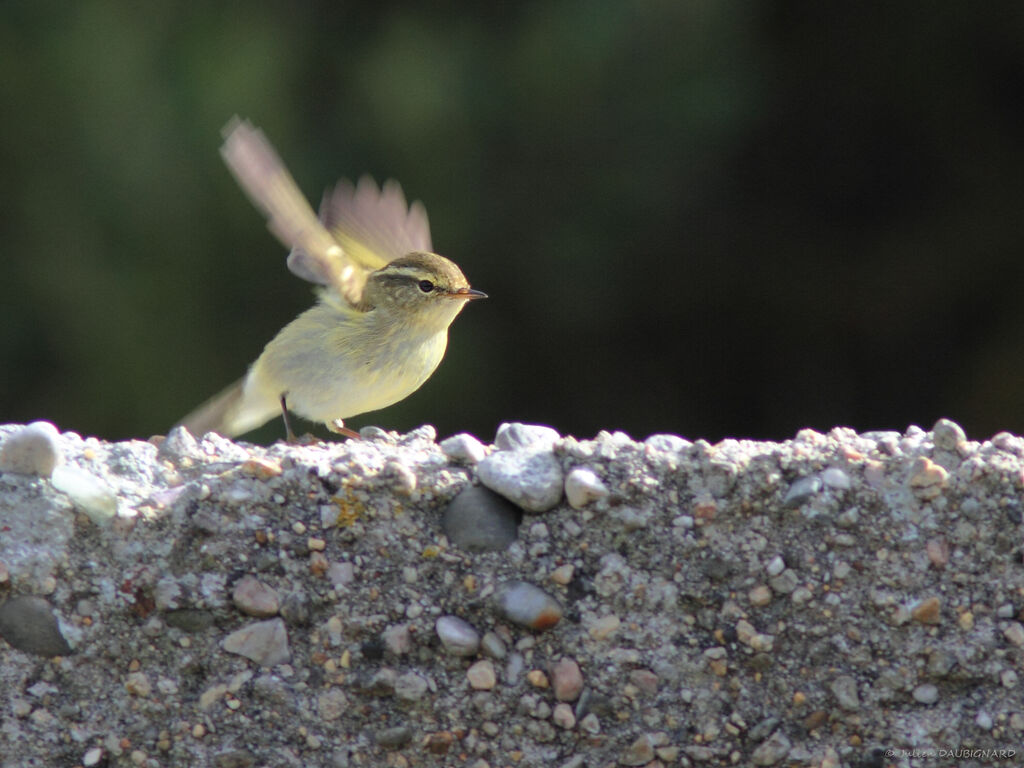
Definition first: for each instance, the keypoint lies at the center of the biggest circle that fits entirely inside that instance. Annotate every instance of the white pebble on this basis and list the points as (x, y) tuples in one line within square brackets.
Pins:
[(775, 566), (32, 450), (463, 447), (457, 635), (89, 493), (583, 486)]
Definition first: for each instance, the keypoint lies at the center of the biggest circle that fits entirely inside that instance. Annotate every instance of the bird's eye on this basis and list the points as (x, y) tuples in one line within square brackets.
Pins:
[(426, 286)]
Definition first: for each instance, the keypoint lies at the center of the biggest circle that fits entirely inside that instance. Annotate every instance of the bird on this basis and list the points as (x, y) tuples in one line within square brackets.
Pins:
[(385, 300)]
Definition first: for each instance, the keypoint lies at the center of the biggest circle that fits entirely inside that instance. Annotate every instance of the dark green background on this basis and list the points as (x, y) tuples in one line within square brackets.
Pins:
[(712, 218)]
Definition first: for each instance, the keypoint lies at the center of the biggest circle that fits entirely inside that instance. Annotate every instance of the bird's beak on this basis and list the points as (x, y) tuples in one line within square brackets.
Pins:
[(467, 293)]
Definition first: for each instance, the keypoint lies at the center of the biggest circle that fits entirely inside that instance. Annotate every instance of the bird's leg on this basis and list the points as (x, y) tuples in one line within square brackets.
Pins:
[(337, 427), (287, 424)]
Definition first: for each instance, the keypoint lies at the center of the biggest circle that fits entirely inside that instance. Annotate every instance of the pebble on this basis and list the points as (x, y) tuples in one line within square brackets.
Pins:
[(28, 624), (947, 435), (33, 450), (1014, 632), (926, 694), (640, 752), (479, 520), (836, 479), (566, 679), (667, 443), (92, 757), (775, 566), (604, 627), (410, 687), (844, 688), (562, 574), (527, 605), (482, 676), (463, 447), (771, 751), (760, 596), (88, 492), (515, 436), (537, 678), (529, 477), (927, 479), (137, 684), (394, 738), (928, 611), (563, 716), (458, 636), (801, 491), (984, 721), (251, 596), (583, 486), (265, 642), (340, 574), (397, 639), (493, 646)]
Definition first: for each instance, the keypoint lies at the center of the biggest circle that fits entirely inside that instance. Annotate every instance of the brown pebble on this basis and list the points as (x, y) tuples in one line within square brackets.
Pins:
[(928, 611), (938, 552), (567, 679), (262, 468), (816, 719)]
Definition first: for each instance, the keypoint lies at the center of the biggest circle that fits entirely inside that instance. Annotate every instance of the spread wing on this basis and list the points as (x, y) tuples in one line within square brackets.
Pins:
[(316, 255), (375, 226)]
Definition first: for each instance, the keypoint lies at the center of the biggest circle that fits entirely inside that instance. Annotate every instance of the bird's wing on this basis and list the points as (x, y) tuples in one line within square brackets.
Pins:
[(375, 226), (316, 255)]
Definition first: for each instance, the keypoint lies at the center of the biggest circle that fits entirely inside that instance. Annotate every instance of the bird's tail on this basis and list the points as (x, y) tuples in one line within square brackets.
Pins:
[(217, 414)]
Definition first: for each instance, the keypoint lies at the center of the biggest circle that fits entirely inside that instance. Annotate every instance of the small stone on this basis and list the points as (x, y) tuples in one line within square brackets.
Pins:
[(836, 479), (927, 479), (926, 694), (928, 611), (1014, 632), (137, 684), (760, 596), (32, 450), (590, 724), (331, 704), (397, 639), (640, 752), (785, 582), (772, 750), (264, 469), (562, 574), (667, 443), (394, 738), (583, 486), (801, 491), (493, 646), (28, 624), (1008, 678), (265, 642), (844, 688), (563, 716), (458, 636), (984, 721), (514, 436), (251, 596), (947, 435), (537, 678), (479, 520), (92, 757), (604, 627), (775, 566), (482, 676), (530, 477), (645, 680), (341, 574), (528, 606), (410, 687), (89, 493), (566, 679), (938, 552), (463, 447)]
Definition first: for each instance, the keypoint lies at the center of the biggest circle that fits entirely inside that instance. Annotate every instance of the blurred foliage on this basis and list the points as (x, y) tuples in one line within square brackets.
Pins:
[(714, 218)]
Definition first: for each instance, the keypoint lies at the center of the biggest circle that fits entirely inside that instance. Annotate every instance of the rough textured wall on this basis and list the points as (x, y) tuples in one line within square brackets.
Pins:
[(835, 599)]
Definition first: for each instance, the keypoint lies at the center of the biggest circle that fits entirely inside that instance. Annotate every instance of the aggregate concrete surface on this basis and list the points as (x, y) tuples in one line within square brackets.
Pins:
[(836, 599)]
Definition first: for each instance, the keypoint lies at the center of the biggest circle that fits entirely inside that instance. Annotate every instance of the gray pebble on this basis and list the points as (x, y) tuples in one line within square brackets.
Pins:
[(801, 491), (514, 436), (529, 606), (926, 694), (667, 443), (844, 688), (32, 450), (251, 596), (463, 447), (410, 687), (947, 435), (529, 477), (836, 479), (397, 639), (457, 635), (28, 624), (479, 520), (640, 752), (775, 566), (265, 642), (493, 646), (785, 582), (771, 751), (179, 444), (394, 738)]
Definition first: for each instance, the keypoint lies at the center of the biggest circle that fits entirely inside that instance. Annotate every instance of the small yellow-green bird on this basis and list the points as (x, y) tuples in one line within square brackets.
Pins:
[(380, 326)]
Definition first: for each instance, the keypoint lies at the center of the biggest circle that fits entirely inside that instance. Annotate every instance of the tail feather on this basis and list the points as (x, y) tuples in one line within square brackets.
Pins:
[(217, 414)]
